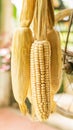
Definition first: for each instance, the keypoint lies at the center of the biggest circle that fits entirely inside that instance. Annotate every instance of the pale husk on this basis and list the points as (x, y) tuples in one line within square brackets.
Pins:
[(56, 59), (27, 12), (20, 64)]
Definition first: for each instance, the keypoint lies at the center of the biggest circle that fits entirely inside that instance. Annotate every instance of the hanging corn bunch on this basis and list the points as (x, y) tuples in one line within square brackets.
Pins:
[(36, 66), (20, 63)]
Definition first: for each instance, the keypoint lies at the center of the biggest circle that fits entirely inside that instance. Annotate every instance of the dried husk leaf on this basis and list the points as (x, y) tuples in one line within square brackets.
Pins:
[(27, 12), (20, 65), (50, 14), (56, 59)]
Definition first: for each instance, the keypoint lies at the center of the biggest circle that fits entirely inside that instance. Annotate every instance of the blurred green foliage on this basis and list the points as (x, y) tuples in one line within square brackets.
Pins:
[(14, 11)]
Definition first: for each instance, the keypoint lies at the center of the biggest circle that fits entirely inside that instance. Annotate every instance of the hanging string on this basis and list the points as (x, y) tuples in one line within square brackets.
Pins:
[(69, 29)]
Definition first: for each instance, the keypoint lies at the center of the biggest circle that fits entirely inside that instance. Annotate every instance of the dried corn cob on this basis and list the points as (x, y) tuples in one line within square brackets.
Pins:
[(40, 65), (56, 63), (20, 64), (40, 78), (27, 13)]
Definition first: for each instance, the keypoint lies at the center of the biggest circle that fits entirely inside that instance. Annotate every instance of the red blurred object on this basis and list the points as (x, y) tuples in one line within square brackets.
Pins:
[(5, 40), (5, 59)]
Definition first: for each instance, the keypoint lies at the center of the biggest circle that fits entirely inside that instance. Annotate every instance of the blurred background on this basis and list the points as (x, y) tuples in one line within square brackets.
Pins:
[(9, 21)]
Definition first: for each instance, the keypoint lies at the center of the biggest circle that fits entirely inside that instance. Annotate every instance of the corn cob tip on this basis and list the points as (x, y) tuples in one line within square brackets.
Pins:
[(53, 106), (23, 108), (53, 103)]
